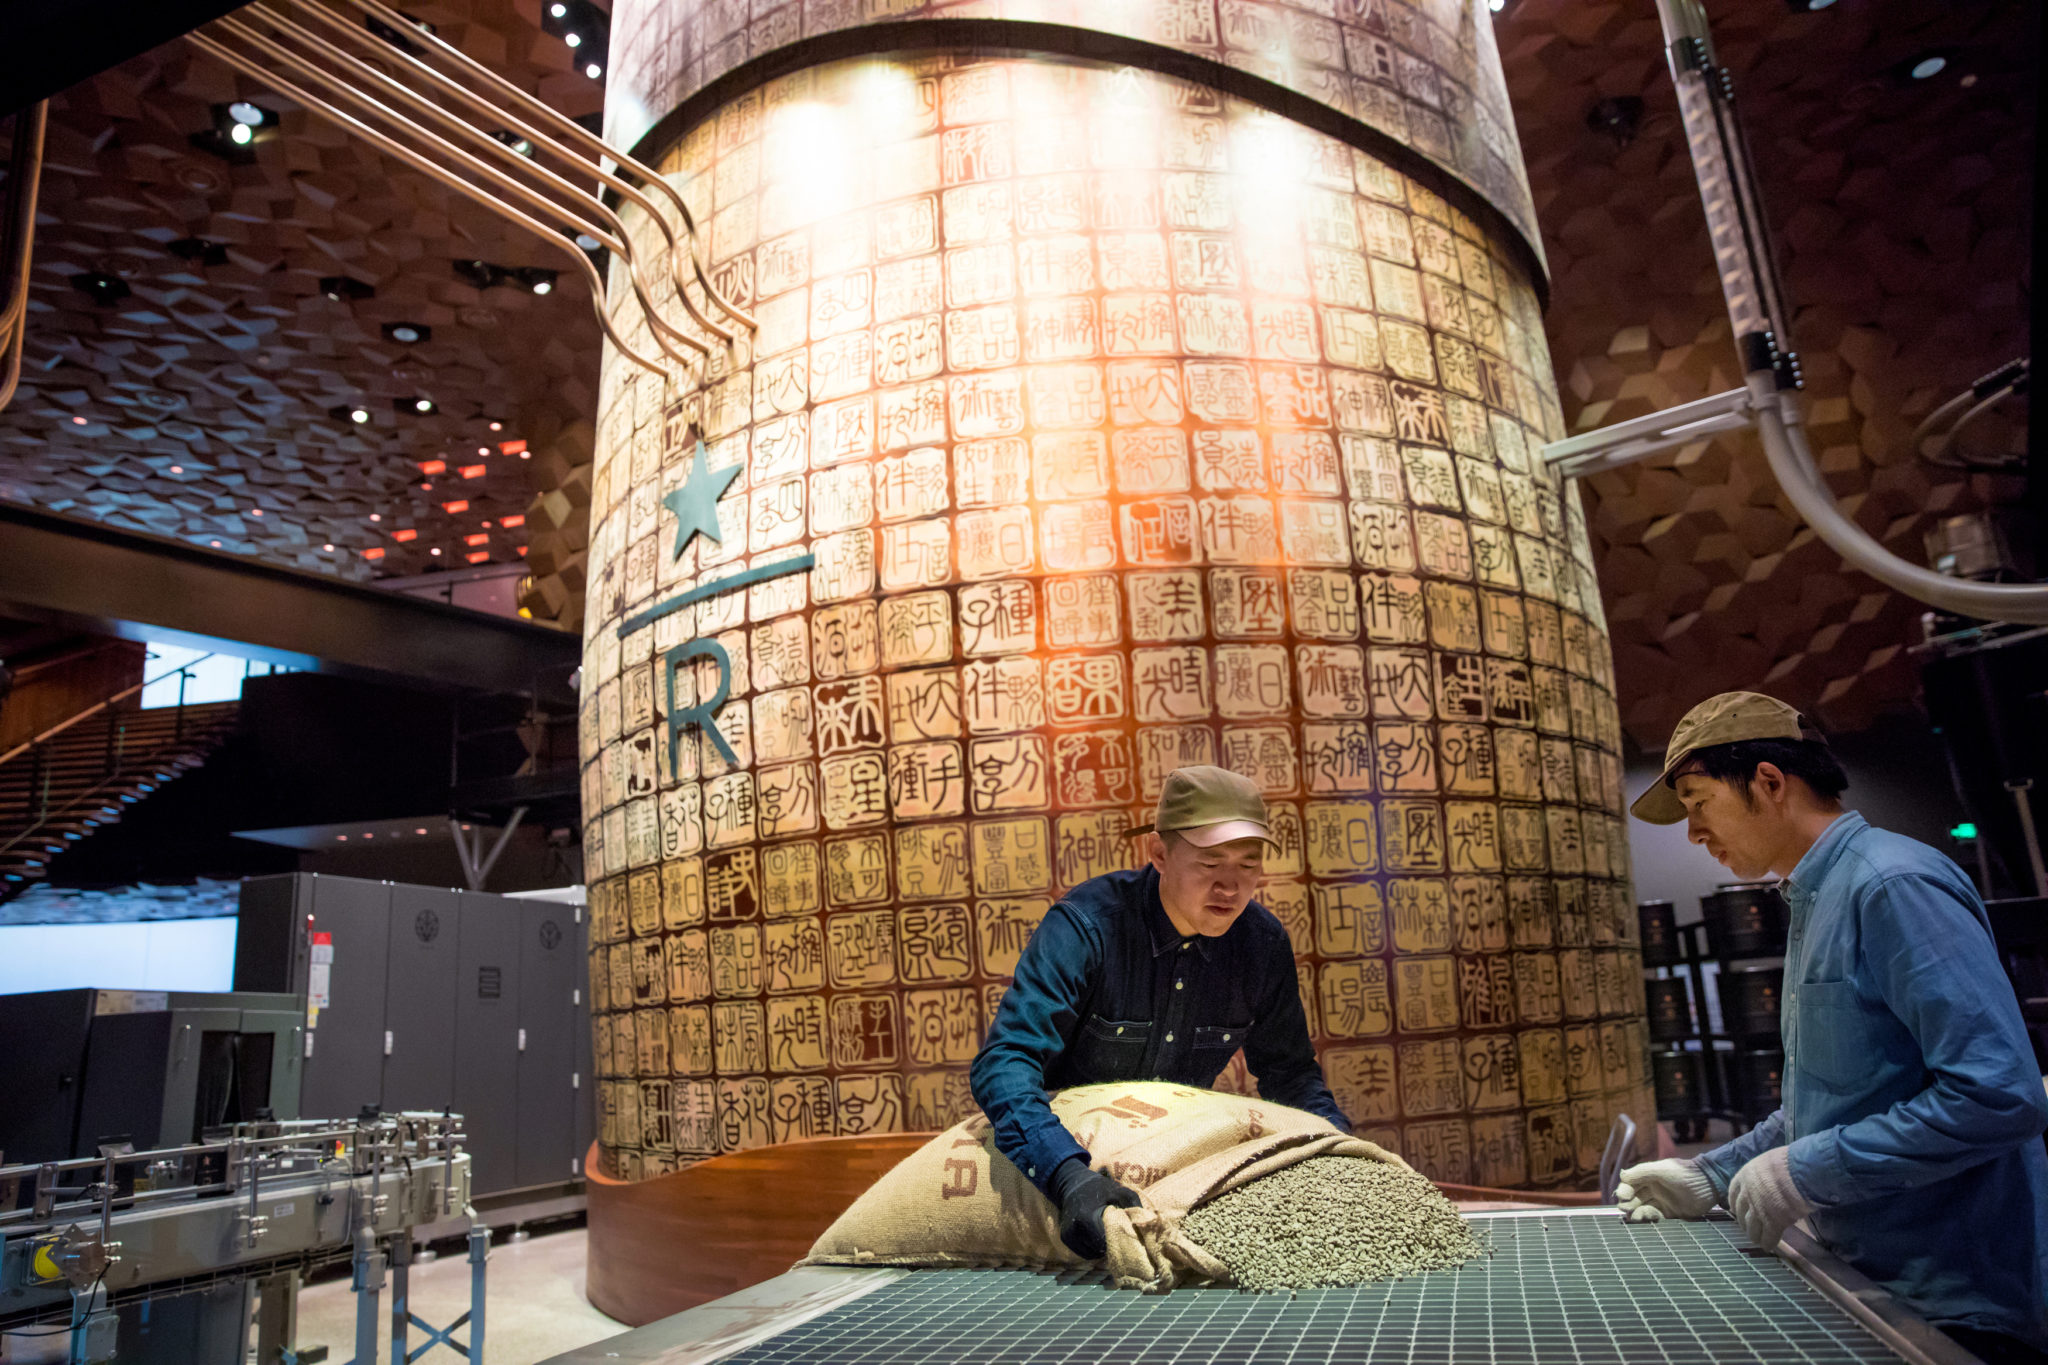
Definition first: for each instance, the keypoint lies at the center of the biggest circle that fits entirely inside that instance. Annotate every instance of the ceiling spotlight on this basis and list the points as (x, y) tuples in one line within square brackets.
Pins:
[(376, 516), (415, 406), (339, 288), (1496, 5), (78, 421), (328, 548), (235, 128), (515, 141), (177, 469), (593, 71), (497, 426), (1921, 65), (558, 10), (588, 242), (536, 278), (481, 274), (573, 39), (408, 333), (103, 289), (350, 412), (1618, 117)]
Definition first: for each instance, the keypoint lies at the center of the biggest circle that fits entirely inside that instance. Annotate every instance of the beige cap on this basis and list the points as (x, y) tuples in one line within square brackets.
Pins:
[(1209, 806), (1727, 719)]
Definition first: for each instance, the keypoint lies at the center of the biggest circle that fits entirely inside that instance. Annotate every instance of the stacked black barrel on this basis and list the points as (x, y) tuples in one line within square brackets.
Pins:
[(1713, 990)]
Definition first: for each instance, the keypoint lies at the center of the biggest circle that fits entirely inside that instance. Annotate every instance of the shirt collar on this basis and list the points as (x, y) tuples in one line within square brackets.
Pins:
[(1805, 879), (1165, 938)]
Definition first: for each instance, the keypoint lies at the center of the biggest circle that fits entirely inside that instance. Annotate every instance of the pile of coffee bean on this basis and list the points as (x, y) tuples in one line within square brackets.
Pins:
[(1332, 1220)]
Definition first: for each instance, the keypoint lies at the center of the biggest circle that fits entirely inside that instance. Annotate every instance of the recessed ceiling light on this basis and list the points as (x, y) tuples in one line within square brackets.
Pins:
[(558, 11), (255, 511), (1928, 66), (78, 421), (328, 548), (243, 112), (419, 831), (241, 135), (177, 469), (214, 543), (408, 333), (436, 550), (587, 242), (376, 516), (572, 39), (359, 415), (593, 71), (497, 426)]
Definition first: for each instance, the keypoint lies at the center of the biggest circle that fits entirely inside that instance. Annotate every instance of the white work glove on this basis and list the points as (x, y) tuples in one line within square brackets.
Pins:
[(1764, 1199), (1669, 1188)]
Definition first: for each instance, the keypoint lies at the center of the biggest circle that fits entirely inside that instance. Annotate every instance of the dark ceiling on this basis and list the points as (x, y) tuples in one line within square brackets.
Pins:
[(210, 401), (1902, 209)]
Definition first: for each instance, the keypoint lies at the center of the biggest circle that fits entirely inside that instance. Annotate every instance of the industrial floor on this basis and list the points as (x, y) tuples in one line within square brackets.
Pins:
[(535, 1304)]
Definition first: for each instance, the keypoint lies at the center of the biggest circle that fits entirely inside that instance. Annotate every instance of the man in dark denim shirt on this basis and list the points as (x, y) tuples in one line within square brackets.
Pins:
[(1160, 973)]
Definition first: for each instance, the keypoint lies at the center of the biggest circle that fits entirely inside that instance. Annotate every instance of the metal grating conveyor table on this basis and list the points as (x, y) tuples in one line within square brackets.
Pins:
[(1581, 1287)]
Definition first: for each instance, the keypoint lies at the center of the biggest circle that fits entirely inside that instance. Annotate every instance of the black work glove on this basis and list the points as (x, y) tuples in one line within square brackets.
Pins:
[(1082, 1195)]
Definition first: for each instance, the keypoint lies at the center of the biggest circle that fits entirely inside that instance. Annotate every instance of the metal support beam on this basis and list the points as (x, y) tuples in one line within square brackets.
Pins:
[(1641, 437), (98, 578)]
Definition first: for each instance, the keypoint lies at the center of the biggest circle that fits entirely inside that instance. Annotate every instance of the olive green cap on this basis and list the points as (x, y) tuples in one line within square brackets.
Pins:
[(1209, 806), (1727, 719)]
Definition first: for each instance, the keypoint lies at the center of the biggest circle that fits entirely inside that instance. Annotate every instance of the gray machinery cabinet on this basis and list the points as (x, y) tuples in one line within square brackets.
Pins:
[(438, 1000)]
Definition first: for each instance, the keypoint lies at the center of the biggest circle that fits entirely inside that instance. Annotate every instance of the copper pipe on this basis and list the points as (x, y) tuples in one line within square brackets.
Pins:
[(426, 166), (443, 147), (24, 182), (677, 251), (575, 132), (352, 95)]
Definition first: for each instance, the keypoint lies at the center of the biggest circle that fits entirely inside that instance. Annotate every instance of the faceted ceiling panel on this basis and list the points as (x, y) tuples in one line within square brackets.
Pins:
[(1900, 208), (204, 324)]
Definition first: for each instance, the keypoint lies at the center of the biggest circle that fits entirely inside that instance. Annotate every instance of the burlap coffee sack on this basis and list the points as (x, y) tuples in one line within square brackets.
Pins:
[(957, 1201)]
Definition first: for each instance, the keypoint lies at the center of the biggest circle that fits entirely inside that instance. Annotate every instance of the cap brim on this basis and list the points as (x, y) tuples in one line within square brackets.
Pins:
[(1224, 831), (1660, 804)]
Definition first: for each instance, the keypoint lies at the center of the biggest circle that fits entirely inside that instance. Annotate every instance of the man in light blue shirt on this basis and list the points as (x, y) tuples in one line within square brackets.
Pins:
[(1909, 1134)]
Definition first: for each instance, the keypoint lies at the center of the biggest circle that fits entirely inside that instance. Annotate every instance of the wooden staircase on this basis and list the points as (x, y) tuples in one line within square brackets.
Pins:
[(83, 775)]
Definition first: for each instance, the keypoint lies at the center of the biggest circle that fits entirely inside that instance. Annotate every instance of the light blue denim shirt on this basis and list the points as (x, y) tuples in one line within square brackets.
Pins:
[(1912, 1104)]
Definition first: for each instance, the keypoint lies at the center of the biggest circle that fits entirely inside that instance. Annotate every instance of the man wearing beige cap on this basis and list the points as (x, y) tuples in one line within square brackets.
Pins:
[(1159, 973), (1909, 1135)]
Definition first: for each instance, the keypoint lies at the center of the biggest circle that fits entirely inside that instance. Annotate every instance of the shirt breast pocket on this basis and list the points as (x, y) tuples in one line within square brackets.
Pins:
[(1212, 1047), (1833, 1046), (1110, 1049)]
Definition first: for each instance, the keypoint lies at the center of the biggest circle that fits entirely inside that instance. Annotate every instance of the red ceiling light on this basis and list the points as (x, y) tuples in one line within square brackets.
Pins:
[(404, 535), (374, 552), (459, 505), (432, 466), (478, 539), (479, 557), (474, 471), (522, 552), (511, 447), (516, 519)]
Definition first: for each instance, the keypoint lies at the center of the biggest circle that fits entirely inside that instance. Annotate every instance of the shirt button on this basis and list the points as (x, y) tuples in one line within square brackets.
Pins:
[(1184, 945), (1226, 1037), (1179, 985), (1031, 1171), (1169, 1037), (1119, 1028)]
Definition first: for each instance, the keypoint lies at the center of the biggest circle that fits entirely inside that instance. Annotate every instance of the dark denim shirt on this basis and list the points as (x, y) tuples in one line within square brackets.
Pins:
[(1109, 990), (1912, 1108)]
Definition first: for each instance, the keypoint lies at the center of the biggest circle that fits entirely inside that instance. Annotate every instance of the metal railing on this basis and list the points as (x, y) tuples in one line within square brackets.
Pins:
[(115, 755)]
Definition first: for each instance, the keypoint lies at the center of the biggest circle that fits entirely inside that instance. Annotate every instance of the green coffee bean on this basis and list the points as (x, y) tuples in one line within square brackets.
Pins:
[(1333, 1221)]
